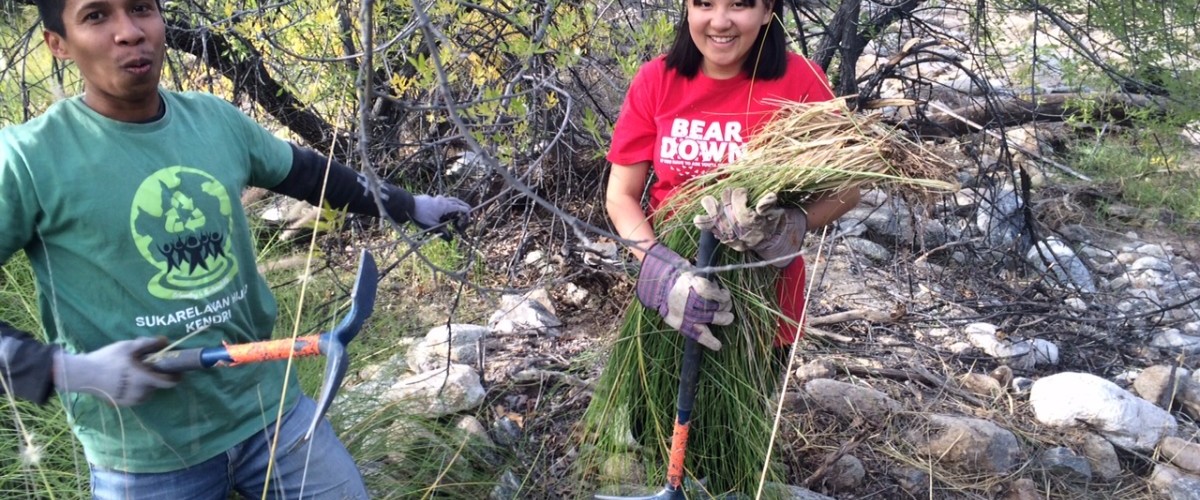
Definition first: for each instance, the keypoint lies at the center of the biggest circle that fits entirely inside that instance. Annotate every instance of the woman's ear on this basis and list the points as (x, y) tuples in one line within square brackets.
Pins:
[(770, 8)]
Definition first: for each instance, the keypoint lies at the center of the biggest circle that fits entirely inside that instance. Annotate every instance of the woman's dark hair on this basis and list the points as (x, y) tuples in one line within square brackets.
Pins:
[(768, 57)]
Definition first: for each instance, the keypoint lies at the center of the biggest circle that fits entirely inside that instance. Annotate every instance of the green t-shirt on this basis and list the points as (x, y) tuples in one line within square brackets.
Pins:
[(138, 230)]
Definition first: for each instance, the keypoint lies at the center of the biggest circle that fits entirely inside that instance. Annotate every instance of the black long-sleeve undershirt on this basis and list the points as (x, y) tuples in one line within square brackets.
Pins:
[(345, 188), (26, 365)]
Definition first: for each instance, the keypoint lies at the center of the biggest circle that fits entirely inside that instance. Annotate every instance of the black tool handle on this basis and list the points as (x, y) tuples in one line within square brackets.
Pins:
[(689, 371), (178, 361)]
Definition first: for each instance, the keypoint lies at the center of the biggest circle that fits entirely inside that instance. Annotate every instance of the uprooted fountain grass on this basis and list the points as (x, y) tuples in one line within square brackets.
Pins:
[(807, 150)]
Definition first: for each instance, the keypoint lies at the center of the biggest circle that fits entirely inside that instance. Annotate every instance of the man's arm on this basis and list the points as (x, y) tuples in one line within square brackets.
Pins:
[(348, 189), (25, 365), (345, 188)]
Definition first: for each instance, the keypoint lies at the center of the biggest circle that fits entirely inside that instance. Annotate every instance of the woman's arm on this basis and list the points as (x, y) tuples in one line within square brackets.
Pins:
[(827, 208), (623, 202)]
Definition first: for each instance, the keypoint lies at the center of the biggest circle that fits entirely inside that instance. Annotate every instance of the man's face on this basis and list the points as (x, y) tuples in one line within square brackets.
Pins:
[(118, 46)]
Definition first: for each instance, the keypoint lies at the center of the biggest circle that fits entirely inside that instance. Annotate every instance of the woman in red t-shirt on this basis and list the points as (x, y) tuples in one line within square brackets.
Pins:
[(691, 111)]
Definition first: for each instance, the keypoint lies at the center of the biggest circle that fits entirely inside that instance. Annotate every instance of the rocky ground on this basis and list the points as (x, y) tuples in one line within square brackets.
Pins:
[(946, 356)]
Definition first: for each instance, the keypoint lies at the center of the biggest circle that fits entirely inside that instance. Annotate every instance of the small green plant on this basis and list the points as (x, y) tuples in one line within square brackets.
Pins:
[(1149, 169)]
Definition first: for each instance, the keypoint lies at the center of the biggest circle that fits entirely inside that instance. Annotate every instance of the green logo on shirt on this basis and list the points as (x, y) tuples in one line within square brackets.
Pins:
[(181, 219)]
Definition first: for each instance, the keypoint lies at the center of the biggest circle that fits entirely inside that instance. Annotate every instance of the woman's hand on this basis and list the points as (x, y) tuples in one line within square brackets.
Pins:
[(687, 302)]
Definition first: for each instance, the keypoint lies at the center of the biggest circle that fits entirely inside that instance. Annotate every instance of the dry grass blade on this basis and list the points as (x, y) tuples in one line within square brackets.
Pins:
[(813, 148)]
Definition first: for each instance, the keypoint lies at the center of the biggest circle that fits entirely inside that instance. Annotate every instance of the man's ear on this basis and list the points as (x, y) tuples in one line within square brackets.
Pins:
[(57, 44)]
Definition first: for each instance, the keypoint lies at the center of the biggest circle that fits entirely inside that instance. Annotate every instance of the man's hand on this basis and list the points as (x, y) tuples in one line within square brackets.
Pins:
[(430, 212), (686, 301), (115, 373), (767, 230)]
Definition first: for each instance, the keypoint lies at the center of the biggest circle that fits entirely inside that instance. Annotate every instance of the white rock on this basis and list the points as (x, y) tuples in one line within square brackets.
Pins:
[(1151, 264), (460, 341), (532, 313), (1015, 354), (1174, 340), (1076, 303), (1144, 293), (1071, 399), (576, 295), (438, 393), (874, 197), (1153, 250), (1045, 352)]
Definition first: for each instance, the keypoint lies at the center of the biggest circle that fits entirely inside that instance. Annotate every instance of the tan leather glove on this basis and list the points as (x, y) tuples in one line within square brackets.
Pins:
[(770, 232)]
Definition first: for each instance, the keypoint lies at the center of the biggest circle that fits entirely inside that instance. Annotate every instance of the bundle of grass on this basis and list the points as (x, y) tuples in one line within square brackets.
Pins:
[(807, 150)]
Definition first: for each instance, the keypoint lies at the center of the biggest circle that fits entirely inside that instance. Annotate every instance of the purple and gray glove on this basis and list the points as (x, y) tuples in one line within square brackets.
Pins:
[(686, 301), (774, 234), (115, 373)]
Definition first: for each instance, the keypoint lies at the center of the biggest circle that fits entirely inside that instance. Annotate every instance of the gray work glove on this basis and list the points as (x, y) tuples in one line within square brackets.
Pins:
[(765, 229), (687, 302), (115, 373), (433, 212)]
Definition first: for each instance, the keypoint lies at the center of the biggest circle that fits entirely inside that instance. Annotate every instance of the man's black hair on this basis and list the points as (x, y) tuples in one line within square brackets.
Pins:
[(52, 14), (768, 55)]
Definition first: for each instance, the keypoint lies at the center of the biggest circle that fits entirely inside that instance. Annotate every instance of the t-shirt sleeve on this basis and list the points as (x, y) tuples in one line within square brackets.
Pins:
[(18, 201), (815, 84), (634, 132), (270, 157)]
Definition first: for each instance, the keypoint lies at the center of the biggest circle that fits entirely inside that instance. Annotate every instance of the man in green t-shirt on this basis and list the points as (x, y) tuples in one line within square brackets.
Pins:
[(126, 201)]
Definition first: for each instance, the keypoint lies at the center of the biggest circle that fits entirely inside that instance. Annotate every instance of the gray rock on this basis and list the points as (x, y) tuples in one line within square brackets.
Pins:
[(1022, 489), (981, 384), (471, 425), (870, 249), (1176, 484), (1054, 255), (999, 217), (912, 480), (507, 488), (846, 473), (1156, 385), (798, 493), (1064, 463), (1101, 456), (849, 401), (1181, 453), (506, 432), (814, 370), (970, 445)]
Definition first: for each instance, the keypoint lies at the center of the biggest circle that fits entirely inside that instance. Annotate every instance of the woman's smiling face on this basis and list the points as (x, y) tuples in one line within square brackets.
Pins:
[(725, 31)]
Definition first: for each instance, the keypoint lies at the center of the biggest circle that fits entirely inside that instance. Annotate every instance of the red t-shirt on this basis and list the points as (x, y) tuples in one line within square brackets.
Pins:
[(686, 127)]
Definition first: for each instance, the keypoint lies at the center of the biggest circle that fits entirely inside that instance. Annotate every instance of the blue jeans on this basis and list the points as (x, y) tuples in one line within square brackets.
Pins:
[(328, 473)]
